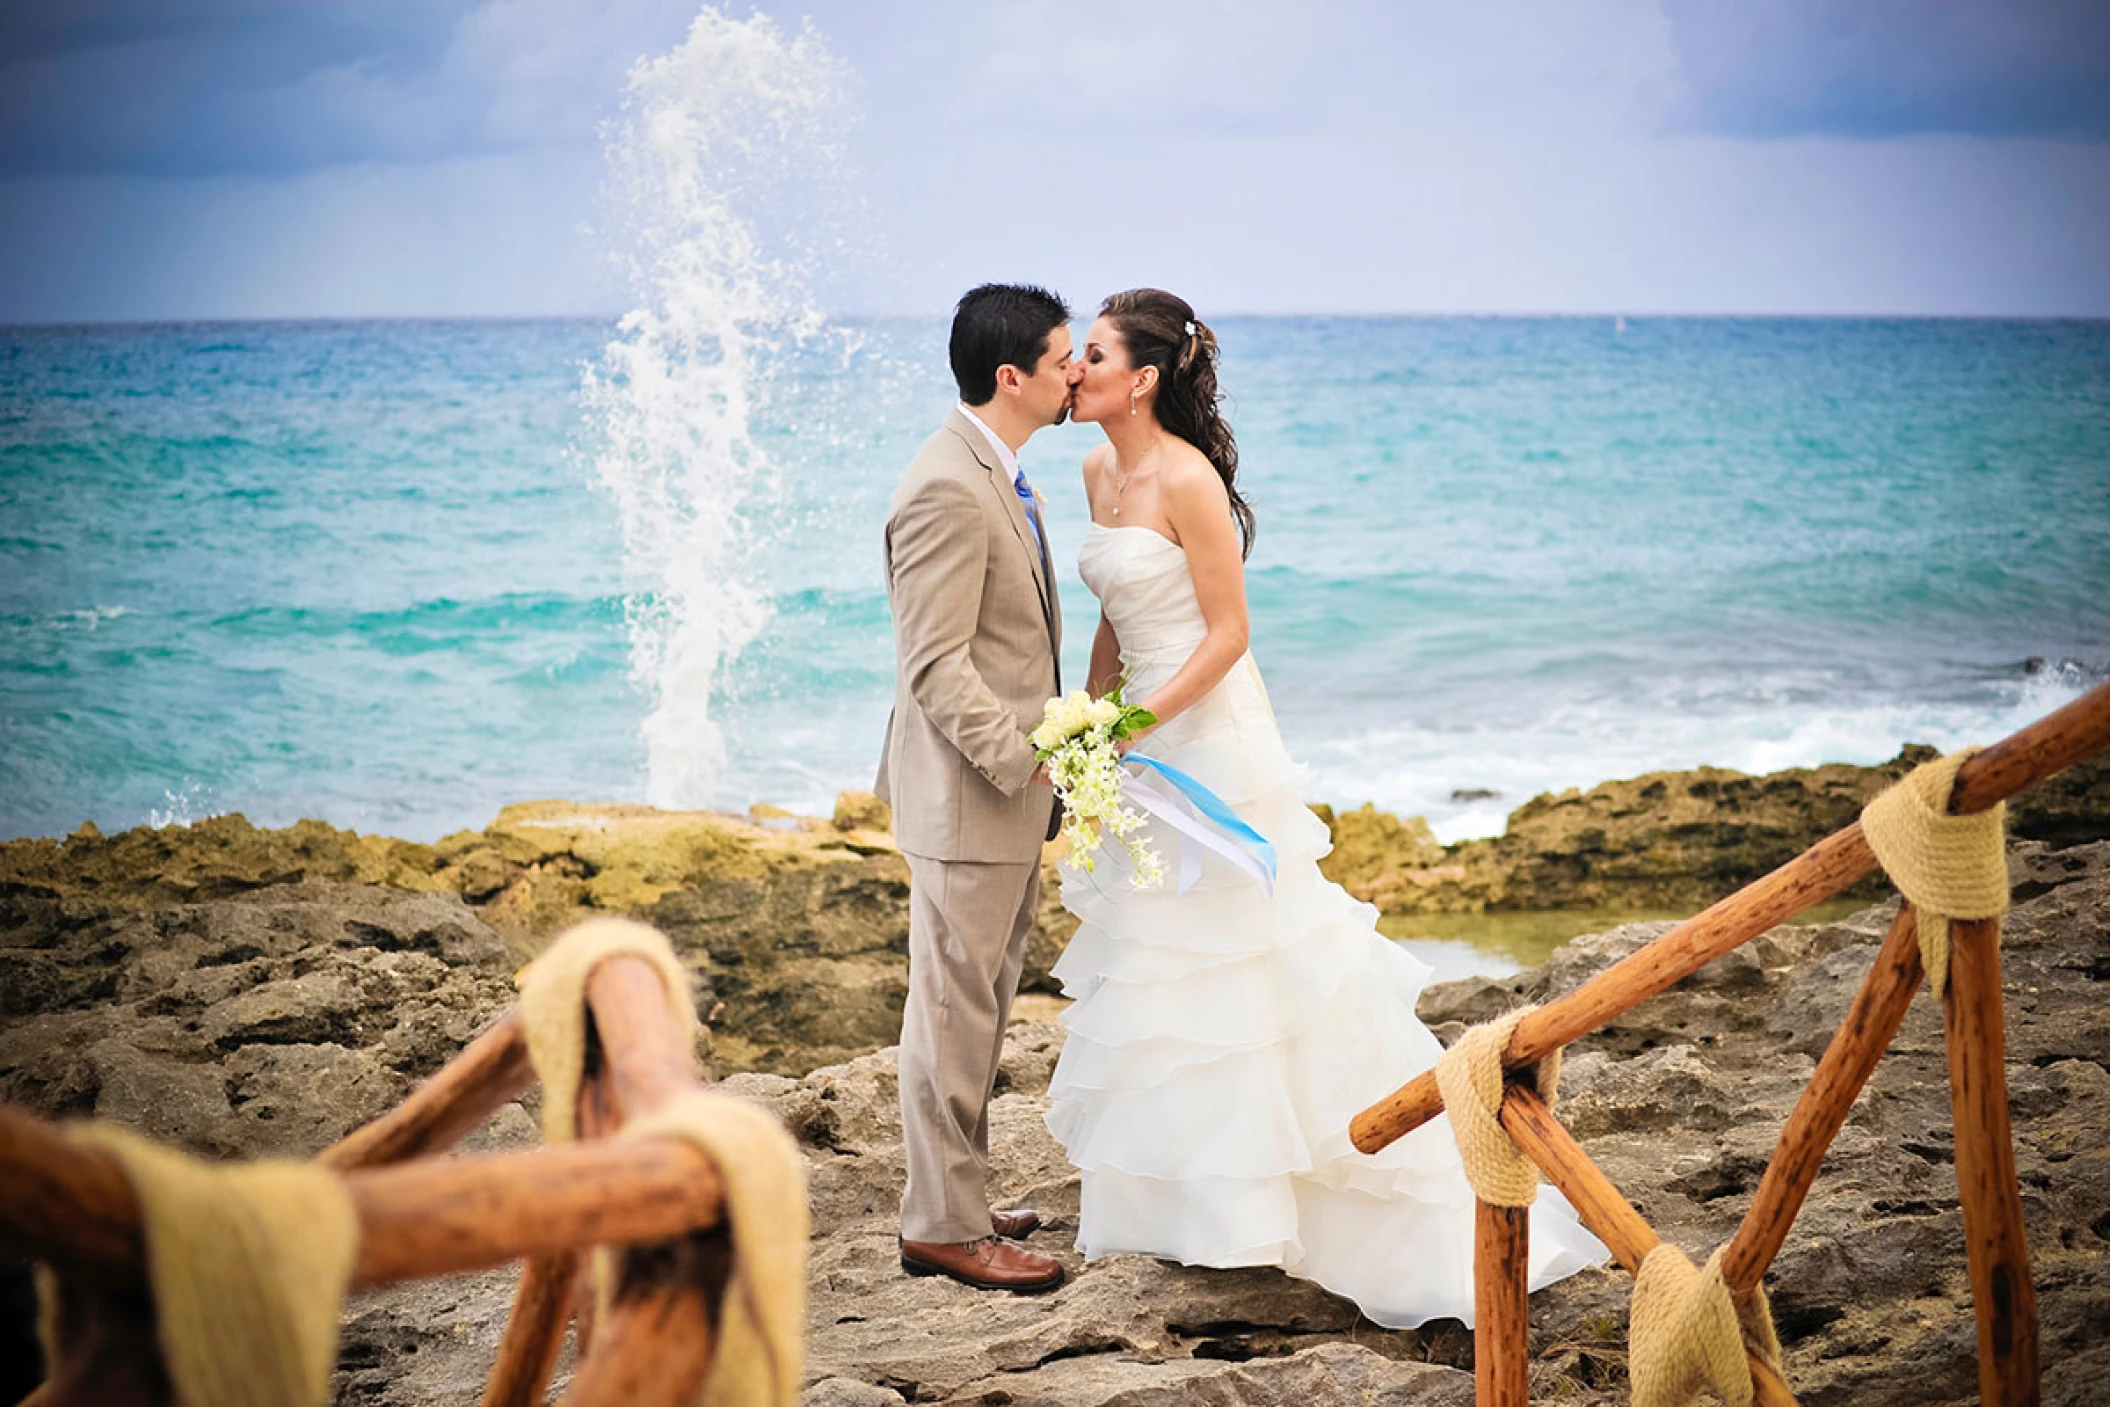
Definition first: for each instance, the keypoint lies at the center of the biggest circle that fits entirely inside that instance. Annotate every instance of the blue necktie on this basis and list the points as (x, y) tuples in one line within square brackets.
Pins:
[(1040, 536), (1047, 570)]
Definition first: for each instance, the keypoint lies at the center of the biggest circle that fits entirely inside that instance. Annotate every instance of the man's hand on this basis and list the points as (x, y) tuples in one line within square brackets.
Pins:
[(1040, 776)]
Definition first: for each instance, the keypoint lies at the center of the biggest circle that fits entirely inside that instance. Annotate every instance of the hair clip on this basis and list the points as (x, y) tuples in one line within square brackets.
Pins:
[(1190, 327)]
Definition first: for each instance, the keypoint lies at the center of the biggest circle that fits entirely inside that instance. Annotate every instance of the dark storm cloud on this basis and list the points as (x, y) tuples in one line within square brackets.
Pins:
[(1893, 68), (239, 87)]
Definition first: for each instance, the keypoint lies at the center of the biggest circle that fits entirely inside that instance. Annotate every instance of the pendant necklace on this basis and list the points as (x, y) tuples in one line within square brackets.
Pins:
[(1121, 479)]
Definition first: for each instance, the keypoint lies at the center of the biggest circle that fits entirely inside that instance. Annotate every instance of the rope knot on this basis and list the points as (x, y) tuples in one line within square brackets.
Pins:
[(761, 1316), (247, 1265), (1686, 1331), (1950, 867), (1470, 1077)]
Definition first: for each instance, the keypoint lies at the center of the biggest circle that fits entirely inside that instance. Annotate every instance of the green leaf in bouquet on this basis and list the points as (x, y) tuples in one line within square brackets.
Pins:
[(1134, 719)]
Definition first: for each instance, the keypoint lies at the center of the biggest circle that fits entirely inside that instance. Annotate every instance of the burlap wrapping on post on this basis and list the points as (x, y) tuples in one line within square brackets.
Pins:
[(1950, 867), (1469, 1076), (1685, 1331), (761, 1319), (247, 1264)]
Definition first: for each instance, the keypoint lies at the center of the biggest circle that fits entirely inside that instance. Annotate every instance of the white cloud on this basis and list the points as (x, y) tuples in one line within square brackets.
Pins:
[(1258, 157)]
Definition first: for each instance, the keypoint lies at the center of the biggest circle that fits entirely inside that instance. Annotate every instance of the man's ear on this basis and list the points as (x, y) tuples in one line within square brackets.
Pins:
[(1009, 378)]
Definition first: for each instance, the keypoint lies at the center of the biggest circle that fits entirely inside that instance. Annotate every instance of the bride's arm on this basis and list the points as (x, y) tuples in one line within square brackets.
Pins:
[(1200, 512), (1106, 661)]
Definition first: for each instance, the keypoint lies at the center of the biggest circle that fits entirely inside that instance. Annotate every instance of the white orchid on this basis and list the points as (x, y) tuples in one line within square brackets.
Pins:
[(1076, 737)]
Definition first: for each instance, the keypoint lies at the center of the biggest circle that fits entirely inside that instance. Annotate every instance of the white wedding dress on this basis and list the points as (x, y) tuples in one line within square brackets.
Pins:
[(1221, 1039)]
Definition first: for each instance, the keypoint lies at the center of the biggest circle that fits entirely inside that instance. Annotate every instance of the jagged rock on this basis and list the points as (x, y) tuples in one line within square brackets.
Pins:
[(847, 1392), (797, 927), (797, 931), (1680, 1101), (272, 1022), (1369, 844), (1328, 1373), (862, 811), (179, 981), (215, 858), (1678, 841)]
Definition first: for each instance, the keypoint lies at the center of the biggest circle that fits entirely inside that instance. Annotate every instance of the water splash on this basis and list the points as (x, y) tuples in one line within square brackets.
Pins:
[(185, 808), (719, 170)]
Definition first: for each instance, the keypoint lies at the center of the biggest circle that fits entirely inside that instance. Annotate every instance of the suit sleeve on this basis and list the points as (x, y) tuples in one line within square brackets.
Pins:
[(938, 551)]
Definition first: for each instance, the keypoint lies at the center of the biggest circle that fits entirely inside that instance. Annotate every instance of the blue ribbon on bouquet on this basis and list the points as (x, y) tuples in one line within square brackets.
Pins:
[(1204, 817)]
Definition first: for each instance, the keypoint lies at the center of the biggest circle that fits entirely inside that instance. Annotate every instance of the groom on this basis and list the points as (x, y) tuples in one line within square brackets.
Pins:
[(976, 631)]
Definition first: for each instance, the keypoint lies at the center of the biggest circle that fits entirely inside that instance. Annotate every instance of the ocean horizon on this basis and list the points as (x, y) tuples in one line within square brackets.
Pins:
[(394, 574)]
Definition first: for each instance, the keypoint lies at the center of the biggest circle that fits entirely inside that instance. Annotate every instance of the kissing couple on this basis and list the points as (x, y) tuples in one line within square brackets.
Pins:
[(1223, 1031)]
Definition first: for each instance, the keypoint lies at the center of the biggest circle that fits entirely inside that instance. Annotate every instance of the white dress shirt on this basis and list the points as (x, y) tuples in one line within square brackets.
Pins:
[(1005, 455)]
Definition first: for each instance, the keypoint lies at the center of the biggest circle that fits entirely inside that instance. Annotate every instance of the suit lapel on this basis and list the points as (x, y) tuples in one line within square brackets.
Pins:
[(1014, 510)]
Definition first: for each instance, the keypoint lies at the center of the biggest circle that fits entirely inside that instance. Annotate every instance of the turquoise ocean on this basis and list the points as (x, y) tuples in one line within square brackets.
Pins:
[(394, 575)]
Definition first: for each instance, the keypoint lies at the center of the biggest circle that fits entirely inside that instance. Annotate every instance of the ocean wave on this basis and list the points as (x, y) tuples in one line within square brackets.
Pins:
[(443, 621), (86, 618), (1467, 779)]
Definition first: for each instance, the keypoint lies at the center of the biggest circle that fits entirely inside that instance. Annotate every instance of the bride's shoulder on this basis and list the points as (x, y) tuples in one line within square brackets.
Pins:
[(1187, 472), (1095, 461)]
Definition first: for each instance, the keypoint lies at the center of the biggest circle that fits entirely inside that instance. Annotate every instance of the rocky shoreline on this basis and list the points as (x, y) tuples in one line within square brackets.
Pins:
[(246, 992), (797, 927)]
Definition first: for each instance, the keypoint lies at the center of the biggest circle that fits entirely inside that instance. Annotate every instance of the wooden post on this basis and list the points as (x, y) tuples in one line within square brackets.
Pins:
[(1871, 1022), (1602, 1206), (1501, 1322), (2048, 746), (654, 1350), (116, 1357), (1996, 1248), (491, 1071), (1604, 1209), (535, 1331), (68, 1204), (646, 1058)]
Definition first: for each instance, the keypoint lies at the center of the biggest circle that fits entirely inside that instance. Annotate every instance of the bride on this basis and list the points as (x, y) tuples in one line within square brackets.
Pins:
[(1222, 1037)]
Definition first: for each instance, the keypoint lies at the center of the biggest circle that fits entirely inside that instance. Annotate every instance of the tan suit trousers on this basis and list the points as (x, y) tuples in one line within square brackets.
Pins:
[(967, 929)]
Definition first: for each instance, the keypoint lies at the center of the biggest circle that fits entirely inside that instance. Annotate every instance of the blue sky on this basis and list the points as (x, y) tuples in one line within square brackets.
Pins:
[(243, 158)]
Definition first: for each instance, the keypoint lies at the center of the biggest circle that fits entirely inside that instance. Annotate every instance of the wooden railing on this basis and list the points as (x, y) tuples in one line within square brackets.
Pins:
[(69, 1204), (1996, 1250)]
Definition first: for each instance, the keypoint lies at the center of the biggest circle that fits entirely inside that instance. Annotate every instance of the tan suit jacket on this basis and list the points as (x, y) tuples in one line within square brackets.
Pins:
[(977, 632)]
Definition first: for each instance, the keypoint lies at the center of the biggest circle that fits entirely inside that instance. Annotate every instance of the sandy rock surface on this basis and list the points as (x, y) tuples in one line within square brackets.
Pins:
[(238, 1017)]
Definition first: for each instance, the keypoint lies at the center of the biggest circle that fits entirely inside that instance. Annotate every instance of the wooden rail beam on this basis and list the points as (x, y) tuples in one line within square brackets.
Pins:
[(69, 1202), (490, 1072), (534, 1331), (1871, 1022)]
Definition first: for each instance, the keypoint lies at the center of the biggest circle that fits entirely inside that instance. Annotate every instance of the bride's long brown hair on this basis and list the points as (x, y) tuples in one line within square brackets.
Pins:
[(1155, 327)]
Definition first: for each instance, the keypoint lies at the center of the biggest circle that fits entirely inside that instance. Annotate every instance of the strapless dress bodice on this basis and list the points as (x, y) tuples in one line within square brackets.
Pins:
[(1141, 579), (1229, 737)]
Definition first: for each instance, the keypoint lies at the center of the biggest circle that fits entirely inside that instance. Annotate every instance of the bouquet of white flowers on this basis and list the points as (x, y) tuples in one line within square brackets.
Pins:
[(1076, 739)]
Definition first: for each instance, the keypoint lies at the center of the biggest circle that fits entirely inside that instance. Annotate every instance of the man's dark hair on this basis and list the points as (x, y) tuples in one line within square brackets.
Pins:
[(1001, 324)]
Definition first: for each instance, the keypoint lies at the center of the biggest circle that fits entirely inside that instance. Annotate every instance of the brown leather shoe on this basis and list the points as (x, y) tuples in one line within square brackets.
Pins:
[(1016, 1224), (991, 1263)]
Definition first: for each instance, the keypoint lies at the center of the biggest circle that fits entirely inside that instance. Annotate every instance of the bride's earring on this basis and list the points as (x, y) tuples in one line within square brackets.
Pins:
[(1132, 401)]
